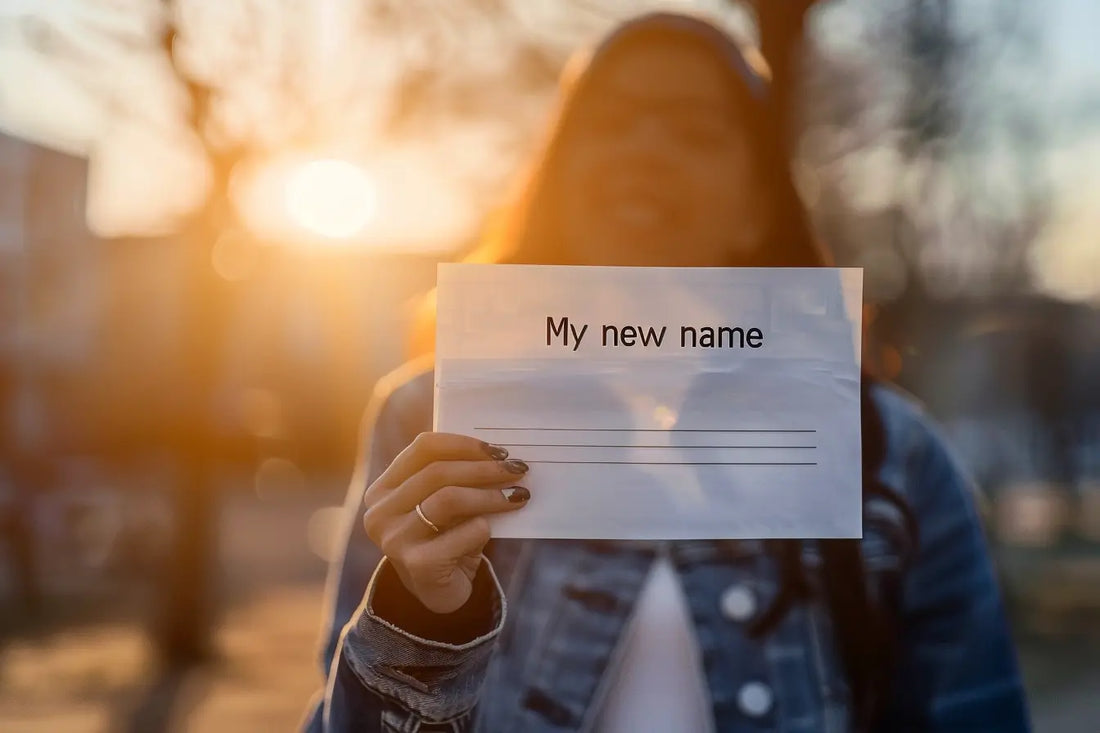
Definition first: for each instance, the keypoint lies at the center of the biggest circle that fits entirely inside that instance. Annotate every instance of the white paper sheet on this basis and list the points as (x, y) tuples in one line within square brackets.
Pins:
[(674, 438)]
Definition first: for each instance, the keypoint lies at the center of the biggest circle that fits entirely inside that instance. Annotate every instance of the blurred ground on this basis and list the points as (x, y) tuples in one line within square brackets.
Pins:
[(98, 676), (95, 676)]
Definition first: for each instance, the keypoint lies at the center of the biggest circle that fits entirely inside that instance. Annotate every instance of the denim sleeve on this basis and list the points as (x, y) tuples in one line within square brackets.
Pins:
[(379, 675), (958, 669)]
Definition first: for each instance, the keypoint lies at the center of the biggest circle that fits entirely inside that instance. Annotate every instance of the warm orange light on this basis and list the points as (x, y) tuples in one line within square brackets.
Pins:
[(334, 198)]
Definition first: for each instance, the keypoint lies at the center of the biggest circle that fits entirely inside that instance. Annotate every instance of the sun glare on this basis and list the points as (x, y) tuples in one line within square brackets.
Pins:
[(334, 198)]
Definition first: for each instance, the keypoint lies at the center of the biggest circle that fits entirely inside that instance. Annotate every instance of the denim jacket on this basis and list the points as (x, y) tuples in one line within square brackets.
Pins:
[(544, 657)]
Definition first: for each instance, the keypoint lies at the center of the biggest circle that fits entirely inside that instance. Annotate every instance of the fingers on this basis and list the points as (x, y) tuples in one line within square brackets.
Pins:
[(427, 448), (455, 511), (455, 478), (468, 538), (458, 481), (453, 505), (481, 489), (435, 476)]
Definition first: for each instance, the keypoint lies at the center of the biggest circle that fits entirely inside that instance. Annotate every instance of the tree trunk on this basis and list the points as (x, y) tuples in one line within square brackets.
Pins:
[(183, 629)]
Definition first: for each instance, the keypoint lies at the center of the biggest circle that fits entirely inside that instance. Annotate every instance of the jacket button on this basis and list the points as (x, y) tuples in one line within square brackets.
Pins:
[(755, 699), (738, 603)]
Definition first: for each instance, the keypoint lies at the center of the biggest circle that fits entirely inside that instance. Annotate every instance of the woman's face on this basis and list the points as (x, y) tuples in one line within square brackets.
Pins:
[(656, 170)]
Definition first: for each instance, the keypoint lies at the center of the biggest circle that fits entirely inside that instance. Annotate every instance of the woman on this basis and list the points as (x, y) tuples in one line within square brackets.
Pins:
[(665, 152)]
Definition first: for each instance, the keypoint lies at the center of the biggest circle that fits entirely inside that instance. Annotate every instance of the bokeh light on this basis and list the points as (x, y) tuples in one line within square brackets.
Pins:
[(334, 198)]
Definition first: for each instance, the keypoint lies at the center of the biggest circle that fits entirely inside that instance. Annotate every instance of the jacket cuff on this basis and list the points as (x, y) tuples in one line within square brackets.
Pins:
[(437, 678)]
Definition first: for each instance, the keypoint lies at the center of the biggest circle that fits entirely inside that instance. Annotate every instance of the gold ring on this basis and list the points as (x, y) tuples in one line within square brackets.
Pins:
[(425, 520)]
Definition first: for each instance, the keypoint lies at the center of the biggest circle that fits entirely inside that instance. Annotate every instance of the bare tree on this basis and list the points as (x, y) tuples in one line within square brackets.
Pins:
[(107, 49), (925, 145), (183, 626)]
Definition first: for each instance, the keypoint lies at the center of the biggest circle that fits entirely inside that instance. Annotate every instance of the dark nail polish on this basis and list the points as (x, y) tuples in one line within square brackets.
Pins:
[(514, 465), (495, 451), (516, 494)]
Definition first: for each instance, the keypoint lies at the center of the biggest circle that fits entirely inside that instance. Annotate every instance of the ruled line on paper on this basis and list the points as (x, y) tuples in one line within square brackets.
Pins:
[(677, 447), (679, 463), (657, 430), (740, 431)]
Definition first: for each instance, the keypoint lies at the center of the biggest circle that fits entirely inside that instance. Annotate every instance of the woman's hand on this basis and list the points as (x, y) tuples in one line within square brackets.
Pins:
[(457, 480)]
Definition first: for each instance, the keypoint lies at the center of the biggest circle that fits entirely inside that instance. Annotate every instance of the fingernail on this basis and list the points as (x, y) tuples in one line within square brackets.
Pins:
[(516, 494), (494, 451), (514, 465)]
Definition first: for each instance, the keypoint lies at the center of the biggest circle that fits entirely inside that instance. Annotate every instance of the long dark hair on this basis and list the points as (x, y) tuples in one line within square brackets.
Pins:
[(865, 623)]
